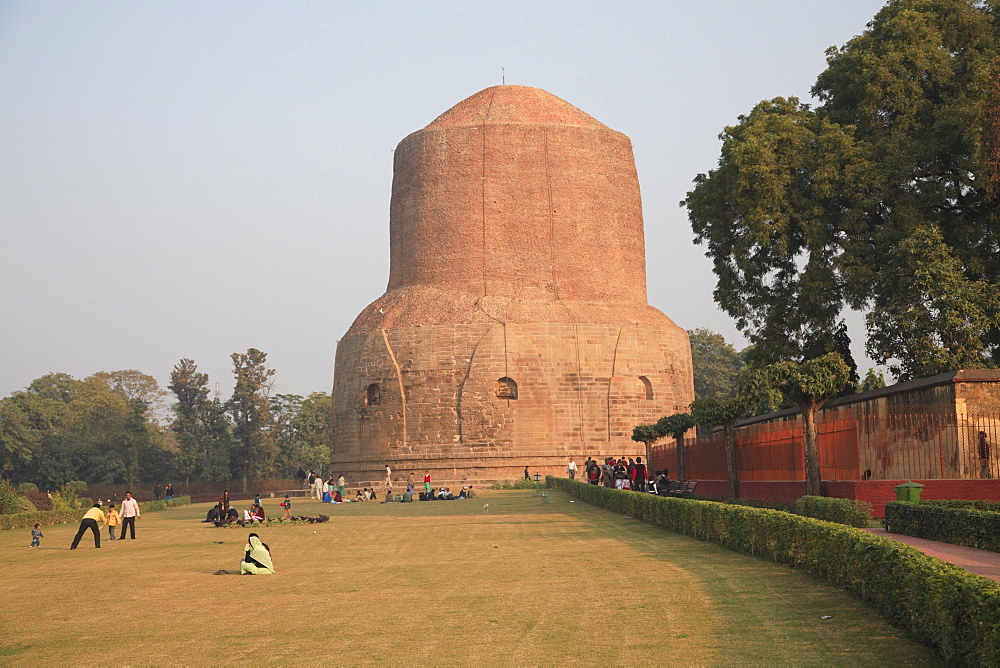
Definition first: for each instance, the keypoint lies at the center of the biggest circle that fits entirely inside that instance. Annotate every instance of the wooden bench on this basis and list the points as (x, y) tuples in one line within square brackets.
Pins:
[(680, 489), (672, 487), (686, 490)]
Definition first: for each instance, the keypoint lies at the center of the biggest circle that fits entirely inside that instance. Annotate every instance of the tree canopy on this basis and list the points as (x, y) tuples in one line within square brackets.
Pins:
[(716, 364), (811, 211), (103, 430)]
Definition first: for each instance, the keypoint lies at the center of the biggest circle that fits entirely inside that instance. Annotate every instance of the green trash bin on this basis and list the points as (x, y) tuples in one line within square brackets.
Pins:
[(908, 491)]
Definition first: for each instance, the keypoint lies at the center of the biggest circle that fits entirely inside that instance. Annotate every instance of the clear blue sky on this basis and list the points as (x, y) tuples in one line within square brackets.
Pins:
[(190, 179)]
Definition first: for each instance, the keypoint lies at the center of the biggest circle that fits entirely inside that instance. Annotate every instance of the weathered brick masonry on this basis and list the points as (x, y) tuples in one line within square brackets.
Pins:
[(514, 329)]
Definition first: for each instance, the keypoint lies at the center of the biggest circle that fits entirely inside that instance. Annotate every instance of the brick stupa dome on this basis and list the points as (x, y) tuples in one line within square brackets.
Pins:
[(514, 329), (502, 105), (514, 206)]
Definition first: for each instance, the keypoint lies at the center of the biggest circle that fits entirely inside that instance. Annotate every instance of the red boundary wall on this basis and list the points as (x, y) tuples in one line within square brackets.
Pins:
[(875, 492)]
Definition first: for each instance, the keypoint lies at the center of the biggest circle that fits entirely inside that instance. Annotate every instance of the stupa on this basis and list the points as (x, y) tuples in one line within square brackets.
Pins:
[(515, 329)]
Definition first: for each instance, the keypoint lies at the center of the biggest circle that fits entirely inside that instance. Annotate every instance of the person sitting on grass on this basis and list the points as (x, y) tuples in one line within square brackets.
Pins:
[(471, 494), (257, 558), (361, 496)]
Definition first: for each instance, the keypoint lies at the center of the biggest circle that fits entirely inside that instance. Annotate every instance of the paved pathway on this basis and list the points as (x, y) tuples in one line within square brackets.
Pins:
[(981, 562)]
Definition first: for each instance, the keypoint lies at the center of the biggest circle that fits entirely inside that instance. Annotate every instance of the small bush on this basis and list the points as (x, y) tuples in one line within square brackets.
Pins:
[(8, 498), (959, 526), (65, 501), (24, 505), (151, 506), (851, 512), (501, 484), (524, 483), (26, 487), (84, 502), (40, 499)]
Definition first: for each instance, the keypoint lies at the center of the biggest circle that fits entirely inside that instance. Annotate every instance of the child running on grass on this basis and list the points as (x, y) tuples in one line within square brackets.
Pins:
[(287, 505), (36, 535)]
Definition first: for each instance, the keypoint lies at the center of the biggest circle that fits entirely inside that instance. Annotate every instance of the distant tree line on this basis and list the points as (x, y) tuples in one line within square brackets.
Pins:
[(111, 428)]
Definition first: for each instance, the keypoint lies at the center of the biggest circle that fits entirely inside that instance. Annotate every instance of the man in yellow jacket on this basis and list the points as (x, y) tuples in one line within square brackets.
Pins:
[(89, 521)]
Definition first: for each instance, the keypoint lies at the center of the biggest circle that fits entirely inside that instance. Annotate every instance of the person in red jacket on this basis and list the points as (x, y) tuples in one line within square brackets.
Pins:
[(639, 483)]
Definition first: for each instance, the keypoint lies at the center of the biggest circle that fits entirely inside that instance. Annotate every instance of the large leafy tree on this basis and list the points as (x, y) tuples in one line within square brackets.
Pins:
[(62, 429), (931, 308), (134, 385), (250, 410), (200, 426), (806, 205), (305, 431), (787, 181)]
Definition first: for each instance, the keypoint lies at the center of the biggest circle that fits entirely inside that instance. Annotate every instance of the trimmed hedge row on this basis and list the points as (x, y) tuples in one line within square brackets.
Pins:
[(945, 606), (851, 512), (979, 504), (48, 517), (959, 526), (43, 517), (151, 506)]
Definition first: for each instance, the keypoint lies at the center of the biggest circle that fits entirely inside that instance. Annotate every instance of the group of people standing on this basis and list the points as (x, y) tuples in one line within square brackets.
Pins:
[(95, 518), (621, 473)]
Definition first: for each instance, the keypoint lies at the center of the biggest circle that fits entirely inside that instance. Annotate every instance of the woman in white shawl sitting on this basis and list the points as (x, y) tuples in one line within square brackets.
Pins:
[(257, 560)]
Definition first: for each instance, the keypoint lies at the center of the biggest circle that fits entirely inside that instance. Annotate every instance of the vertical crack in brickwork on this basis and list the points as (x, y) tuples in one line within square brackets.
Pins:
[(459, 419), (399, 375), (611, 377)]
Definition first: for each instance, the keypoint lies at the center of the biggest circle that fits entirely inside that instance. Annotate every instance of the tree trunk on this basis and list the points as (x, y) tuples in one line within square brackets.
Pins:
[(681, 475), (731, 472), (810, 446)]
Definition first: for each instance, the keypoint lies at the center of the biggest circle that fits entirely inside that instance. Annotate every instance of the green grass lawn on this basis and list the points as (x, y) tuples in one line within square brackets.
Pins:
[(441, 582)]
